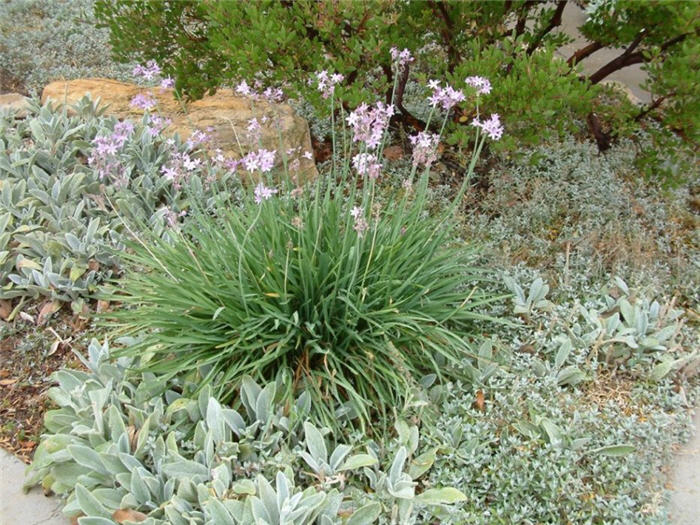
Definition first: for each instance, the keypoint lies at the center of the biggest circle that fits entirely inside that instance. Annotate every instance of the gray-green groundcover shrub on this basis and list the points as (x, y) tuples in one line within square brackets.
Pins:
[(69, 184), (545, 209), (567, 431), (46, 40), (128, 445)]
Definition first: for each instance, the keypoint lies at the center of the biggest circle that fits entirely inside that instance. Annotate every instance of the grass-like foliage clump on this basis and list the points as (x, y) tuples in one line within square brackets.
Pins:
[(348, 298)]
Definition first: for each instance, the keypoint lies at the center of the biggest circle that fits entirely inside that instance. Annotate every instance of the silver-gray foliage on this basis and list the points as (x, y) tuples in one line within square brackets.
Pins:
[(45, 40), (60, 220), (124, 441)]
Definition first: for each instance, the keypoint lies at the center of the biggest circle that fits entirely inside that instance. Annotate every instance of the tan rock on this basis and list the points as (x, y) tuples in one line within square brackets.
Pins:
[(224, 116), (14, 102)]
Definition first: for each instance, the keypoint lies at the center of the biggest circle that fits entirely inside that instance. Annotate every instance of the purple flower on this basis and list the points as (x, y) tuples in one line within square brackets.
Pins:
[(492, 127), (356, 211), (366, 164), (481, 84), (369, 123), (244, 89), (147, 72), (262, 160), (446, 97), (401, 58), (360, 226), (263, 193), (424, 148), (273, 94), (326, 83), (169, 172), (143, 101), (308, 155), (167, 83), (254, 130), (198, 137)]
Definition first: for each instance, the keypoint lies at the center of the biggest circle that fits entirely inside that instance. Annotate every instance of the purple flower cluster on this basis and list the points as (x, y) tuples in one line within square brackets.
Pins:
[(366, 164), (270, 94), (180, 168), (261, 160), (424, 148), (144, 101), (103, 158), (263, 193), (369, 123), (325, 83), (481, 84), (446, 97), (361, 224), (147, 72), (197, 138), (167, 83), (492, 127), (157, 124), (401, 58), (254, 130)]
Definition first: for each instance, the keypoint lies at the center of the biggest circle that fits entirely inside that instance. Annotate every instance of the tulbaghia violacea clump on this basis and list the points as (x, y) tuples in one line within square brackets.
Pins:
[(424, 148), (369, 123)]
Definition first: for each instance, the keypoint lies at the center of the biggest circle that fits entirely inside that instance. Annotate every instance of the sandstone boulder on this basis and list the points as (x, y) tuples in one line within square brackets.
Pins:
[(224, 116), (14, 102)]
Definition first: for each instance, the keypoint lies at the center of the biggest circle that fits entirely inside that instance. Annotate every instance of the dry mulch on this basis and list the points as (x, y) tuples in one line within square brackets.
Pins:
[(31, 349)]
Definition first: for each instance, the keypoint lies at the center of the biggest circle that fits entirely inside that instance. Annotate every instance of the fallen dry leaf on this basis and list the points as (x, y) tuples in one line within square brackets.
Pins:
[(5, 309), (49, 308), (122, 515), (8, 382), (480, 401)]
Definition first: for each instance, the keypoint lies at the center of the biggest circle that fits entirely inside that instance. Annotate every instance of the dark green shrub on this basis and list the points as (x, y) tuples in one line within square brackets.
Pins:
[(207, 44)]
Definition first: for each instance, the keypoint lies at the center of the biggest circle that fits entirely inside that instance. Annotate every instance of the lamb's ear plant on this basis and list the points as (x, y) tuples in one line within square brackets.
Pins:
[(351, 300), (126, 445)]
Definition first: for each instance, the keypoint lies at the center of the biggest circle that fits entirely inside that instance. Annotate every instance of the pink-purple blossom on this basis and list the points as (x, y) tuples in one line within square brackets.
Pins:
[(263, 193), (261, 160), (254, 130), (167, 83), (196, 138), (446, 97), (492, 126), (369, 123), (157, 124), (424, 148), (401, 58), (481, 84), (325, 82), (147, 72), (144, 101), (366, 165)]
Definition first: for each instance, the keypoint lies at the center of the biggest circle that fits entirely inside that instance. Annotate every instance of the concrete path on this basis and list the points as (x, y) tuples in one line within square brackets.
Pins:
[(684, 506), (18, 508)]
